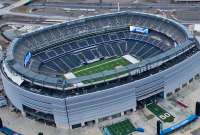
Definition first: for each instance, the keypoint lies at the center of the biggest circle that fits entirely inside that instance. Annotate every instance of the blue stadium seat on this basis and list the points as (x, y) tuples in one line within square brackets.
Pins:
[(59, 50), (98, 39), (90, 41), (51, 53), (82, 43), (103, 51), (88, 54), (105, 37), (74, 45), (67, 48), (113, 36), (120, 35)]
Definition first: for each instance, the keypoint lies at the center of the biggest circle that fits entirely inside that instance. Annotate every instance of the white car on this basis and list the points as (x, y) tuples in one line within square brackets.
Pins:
[(3, 101)]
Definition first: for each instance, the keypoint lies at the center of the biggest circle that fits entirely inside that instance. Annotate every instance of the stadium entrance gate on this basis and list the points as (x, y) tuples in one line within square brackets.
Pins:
[(152, 99)]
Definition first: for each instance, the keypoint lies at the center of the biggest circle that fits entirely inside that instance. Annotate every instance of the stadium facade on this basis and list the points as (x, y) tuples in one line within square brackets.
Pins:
[(34, 69)]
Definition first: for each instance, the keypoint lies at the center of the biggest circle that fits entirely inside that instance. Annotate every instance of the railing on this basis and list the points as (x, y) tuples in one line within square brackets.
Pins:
[(60, 83)]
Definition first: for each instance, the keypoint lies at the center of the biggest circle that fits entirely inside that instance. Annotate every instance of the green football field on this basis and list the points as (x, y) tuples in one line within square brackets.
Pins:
[(160, 113), (99, 66), (122, 128)]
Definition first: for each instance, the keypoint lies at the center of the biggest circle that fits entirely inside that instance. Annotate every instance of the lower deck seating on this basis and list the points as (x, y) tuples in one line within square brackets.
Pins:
[(70, 55)]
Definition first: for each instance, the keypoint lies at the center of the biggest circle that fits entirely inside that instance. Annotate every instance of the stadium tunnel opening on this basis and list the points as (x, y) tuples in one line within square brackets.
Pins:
[(152, 99), (39, 116)]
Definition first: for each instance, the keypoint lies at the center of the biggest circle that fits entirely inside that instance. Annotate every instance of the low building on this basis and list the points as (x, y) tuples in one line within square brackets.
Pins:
[(186, 0)]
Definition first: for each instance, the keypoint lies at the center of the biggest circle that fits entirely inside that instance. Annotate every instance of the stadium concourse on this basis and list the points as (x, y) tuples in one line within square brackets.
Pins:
[(96, 68)]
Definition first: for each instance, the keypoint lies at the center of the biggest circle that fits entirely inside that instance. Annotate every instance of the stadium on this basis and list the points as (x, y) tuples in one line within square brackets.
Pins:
[(100, 67)]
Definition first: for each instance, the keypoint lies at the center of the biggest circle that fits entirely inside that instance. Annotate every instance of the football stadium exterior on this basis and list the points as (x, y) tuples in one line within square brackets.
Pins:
[(38, 77)]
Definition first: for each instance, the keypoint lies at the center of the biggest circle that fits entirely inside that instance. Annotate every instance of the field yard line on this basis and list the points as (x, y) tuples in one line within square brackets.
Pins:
[(97, 65)]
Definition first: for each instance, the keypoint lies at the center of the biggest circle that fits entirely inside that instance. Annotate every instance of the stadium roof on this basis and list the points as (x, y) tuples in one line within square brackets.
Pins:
[(60, 83)]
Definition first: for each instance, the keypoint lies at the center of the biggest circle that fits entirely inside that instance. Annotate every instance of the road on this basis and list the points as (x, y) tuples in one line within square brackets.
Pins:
[(163, 6), (8, 11)]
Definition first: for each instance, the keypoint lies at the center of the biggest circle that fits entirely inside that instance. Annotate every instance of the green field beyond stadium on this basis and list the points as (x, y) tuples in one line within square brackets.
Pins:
[(160, 113), (122, 128), (99, 66)]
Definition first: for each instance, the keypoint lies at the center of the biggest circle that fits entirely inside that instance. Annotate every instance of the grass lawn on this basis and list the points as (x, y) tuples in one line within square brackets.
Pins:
[(160, 113), (122, 128), (99, 66)]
